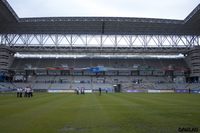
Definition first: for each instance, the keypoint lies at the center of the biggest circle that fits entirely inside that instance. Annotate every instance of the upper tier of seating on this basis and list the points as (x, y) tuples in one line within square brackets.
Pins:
[(22, 63)]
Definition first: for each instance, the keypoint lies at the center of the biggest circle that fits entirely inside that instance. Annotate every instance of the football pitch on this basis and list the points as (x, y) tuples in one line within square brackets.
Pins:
[(108, 113)]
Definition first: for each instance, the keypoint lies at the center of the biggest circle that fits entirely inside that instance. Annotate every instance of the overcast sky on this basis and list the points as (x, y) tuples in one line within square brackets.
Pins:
[(170, 9)]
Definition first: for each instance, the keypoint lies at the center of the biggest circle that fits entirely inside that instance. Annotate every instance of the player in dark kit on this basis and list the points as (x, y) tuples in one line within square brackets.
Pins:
[(99, 91)]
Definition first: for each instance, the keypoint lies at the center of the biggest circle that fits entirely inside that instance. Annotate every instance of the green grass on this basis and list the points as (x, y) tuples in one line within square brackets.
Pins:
[(109, 113)]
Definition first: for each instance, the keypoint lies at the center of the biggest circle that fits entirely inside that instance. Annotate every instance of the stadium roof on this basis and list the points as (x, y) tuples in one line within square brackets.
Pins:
[(10, 23), (7, 14)]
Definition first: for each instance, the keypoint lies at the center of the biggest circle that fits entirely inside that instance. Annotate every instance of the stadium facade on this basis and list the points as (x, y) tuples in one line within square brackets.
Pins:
[(65, 53)]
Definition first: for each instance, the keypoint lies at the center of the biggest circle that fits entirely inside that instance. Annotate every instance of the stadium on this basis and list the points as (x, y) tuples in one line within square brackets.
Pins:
[(149, 70)]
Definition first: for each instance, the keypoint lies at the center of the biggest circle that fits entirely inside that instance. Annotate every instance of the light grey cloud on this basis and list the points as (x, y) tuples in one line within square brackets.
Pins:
[(171, 9)]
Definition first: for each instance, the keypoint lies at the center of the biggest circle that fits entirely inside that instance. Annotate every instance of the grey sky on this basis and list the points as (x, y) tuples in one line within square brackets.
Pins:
[(171, 9)]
